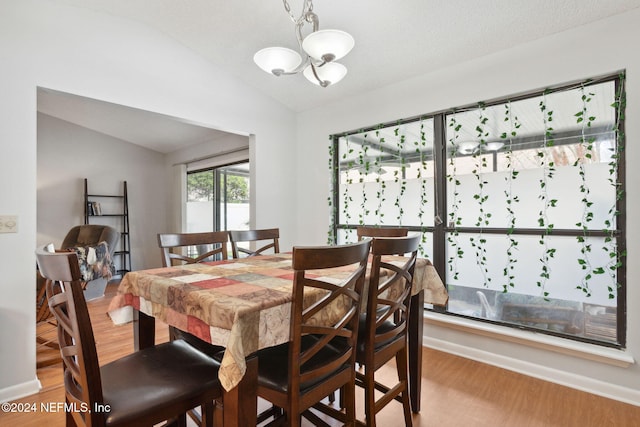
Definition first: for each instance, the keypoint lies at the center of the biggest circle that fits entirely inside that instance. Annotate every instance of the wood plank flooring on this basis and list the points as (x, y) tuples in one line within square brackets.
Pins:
[(456, 391)]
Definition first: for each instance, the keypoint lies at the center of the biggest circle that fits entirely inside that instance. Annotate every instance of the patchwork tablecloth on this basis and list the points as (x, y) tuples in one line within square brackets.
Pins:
[(243, 305)]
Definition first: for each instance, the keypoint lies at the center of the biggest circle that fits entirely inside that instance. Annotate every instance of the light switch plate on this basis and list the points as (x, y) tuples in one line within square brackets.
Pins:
[(8, 223)]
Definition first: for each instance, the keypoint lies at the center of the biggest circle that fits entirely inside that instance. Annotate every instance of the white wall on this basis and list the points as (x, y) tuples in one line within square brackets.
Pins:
[(601, 48), (67, 154), (95, 55), (102, 57)]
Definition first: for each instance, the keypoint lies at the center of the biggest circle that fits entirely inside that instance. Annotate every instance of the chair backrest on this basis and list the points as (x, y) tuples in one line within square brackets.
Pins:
[(239, 236), (207, 245), (366, 231), (83, 386), (91, 234), (388, 303), (314, 298)]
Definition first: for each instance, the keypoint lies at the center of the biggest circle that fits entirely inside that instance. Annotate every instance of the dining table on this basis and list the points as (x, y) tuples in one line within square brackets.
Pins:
[(244, 305)]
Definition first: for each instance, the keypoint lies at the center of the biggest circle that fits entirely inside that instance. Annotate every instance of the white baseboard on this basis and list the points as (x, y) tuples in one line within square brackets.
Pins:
[(589, 385), (20, 390)]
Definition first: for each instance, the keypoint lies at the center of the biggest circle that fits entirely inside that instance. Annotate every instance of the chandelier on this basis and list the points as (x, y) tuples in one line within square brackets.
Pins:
[(318, 51)]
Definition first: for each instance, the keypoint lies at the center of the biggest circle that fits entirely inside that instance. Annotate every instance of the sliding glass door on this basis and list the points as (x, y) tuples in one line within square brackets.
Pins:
[(218, 198)]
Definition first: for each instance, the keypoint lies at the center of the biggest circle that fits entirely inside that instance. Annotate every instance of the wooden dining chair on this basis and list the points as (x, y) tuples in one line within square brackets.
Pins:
[(199, 247), (141, 389), (319, 357), (272, 235), (383, 328), (368, 231), (204, 247)]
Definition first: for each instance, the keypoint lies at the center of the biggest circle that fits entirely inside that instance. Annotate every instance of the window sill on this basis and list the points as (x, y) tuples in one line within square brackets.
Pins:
[(587, 351)]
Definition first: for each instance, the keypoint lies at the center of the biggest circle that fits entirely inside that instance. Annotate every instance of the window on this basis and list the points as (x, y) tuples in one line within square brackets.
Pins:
[(218, 198), (519, 202)]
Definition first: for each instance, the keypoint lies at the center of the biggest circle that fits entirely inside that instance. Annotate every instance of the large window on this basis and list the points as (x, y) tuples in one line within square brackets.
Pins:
[(520, 203)]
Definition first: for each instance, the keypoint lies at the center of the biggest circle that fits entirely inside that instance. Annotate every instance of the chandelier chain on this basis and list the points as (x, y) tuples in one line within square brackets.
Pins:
[(307, 8)]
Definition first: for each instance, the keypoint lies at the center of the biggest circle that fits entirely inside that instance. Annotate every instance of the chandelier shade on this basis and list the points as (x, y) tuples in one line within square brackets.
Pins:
[(277, 60), (328, 74), (328, 45), (317, 50)]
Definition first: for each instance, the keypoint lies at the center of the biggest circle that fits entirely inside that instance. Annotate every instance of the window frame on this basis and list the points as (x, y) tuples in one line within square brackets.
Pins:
[(441, 228)]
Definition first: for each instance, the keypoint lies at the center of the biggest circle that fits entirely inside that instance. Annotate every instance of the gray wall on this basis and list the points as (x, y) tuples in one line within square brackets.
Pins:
[(67, 154)]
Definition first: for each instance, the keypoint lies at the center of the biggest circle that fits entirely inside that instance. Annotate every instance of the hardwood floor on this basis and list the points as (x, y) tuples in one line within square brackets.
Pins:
[(456, 391)]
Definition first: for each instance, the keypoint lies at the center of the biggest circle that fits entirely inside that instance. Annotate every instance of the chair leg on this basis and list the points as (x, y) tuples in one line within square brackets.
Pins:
[(207, 414), (218, 414), (369, 396), (69, 420), (402, 365), (181, 420), (348, 399)]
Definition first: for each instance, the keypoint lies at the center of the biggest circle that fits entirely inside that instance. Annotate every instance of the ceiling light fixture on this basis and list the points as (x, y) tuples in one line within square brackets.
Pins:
[(468, 147), (320, 49), (494, 146)]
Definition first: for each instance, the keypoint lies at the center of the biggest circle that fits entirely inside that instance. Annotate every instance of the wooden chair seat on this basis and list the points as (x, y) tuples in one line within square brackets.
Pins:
[(383, 328), (158, 382), (275, 375)]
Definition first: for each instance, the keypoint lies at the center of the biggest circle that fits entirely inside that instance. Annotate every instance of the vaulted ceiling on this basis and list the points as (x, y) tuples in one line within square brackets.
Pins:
[(395, 40)]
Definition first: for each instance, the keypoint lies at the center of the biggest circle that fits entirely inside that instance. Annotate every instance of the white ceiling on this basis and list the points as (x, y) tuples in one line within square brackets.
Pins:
[(395, 40)]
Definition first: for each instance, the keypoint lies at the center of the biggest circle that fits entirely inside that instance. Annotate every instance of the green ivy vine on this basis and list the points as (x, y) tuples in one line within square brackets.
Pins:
[(455, 220), (480, 159), (380, 181), (421, 147), (400, 175), (510, 197), (346, 197), (584, 119), (364, 169), (548, 169), (332, 189)]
